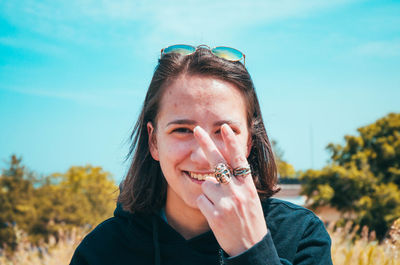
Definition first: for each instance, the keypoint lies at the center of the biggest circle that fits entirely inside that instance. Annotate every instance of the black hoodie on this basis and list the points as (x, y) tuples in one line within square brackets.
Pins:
[(295, 236)]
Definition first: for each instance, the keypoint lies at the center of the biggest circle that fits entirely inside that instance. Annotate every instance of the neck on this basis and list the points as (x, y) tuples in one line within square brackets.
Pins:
[(188, 222)]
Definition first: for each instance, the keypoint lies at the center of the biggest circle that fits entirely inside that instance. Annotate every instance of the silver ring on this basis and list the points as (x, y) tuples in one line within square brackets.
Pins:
[(222, 173), (242, 171)]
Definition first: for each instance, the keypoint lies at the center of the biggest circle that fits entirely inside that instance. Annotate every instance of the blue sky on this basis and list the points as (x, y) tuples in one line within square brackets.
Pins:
[(73, 74)]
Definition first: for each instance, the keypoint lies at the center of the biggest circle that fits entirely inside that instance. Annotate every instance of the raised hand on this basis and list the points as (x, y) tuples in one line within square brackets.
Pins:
[(233, 210)]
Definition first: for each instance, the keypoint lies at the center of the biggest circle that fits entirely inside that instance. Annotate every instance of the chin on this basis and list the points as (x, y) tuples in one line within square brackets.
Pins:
[(191, 203)]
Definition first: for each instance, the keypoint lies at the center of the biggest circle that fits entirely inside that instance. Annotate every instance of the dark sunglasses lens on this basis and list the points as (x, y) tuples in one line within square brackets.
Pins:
[(181, 49), (228, 53)]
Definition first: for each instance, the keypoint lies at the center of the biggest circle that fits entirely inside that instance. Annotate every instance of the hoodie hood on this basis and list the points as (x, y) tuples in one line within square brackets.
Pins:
[(150, 230), (294, 235)]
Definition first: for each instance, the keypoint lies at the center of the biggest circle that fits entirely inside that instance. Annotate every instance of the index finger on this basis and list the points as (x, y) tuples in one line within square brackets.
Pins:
[(211, 151), (235, 152)]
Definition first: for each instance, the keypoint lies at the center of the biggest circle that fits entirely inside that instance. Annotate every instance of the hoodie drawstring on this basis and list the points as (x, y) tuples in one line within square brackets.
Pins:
[(155, 242)]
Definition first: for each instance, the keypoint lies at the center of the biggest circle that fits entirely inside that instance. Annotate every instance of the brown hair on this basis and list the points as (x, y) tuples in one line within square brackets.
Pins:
[(144, 188)]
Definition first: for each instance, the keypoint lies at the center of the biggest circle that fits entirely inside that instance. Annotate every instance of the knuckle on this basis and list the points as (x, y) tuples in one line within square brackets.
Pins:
[(237, 198), (241, 204), (239, 160), (217, 219), (226, 206), (216, 215)]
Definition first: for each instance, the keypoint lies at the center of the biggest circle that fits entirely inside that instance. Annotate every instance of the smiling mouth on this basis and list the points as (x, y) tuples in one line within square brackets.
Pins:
[(199, 176)]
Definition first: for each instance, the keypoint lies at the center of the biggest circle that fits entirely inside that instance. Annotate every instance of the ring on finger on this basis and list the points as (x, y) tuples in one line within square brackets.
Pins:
[(242, 171), (222, 173)]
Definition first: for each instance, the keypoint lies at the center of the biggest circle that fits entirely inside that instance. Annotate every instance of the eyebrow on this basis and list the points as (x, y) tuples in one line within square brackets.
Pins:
[(193, 122)]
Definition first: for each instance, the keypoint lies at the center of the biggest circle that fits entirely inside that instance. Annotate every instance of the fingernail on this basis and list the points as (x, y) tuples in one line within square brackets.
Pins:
[(225, 128), (198, 130)]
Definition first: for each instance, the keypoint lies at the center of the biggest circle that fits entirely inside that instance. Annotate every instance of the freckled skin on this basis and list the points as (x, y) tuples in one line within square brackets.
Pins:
[(205, 101)]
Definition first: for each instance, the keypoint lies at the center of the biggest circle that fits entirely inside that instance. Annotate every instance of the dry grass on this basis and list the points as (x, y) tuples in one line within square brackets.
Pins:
[(50, 253), (347, 248)]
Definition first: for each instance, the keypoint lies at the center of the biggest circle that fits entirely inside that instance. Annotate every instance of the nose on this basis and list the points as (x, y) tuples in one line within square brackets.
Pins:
[(198, 156)]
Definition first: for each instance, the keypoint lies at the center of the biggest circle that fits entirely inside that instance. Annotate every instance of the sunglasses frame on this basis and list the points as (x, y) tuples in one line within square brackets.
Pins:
[(211, 49)]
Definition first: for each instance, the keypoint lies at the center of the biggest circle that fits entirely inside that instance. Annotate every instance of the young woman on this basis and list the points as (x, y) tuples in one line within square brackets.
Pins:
[(202, 174)]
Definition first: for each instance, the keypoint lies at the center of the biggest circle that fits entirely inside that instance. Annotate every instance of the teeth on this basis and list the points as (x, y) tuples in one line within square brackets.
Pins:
[(199, 176)]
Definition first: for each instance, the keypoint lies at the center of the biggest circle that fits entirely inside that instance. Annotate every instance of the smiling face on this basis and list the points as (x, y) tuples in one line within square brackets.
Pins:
[(187, 102)]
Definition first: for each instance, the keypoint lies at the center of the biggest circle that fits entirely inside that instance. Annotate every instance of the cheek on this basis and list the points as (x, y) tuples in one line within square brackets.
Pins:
[(176, 151)]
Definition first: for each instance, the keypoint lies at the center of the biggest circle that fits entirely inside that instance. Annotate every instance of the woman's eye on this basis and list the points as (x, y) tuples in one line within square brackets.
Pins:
[(235, 131), (182, 130)]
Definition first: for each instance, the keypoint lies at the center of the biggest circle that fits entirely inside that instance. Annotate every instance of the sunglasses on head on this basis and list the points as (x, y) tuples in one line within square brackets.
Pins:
[(223, 52)]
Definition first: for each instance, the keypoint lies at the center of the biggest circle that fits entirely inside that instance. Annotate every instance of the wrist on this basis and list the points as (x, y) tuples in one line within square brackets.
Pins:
[(246, 245)]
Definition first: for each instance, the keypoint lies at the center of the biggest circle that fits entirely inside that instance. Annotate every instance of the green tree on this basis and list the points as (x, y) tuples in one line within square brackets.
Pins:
[(16, 205), (285, 169), (83, 196), (363, 177), (94, 189)]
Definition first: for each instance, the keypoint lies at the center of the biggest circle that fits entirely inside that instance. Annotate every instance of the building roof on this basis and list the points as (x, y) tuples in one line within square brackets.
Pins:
[(291, 193)]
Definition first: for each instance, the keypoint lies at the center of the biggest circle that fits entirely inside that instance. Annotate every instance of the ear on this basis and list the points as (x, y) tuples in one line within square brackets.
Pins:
[(152, 141)]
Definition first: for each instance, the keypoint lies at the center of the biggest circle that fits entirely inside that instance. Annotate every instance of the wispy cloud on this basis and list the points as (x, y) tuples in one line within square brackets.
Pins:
[(32, 44), (100, 98), (380, 48), (89, 20)]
